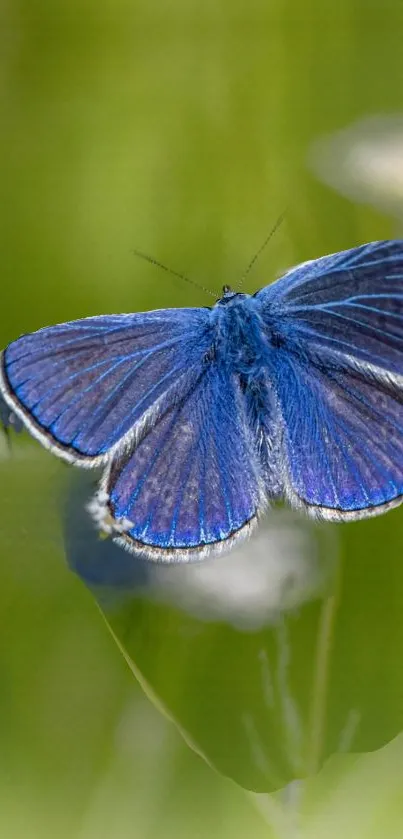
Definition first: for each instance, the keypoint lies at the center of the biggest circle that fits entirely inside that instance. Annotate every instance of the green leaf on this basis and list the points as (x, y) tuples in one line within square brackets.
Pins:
[(265, 701)]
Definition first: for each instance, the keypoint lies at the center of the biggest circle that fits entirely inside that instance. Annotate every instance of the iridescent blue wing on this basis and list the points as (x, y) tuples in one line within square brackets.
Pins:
[(350, 303), (192, 485), (342, 438), (338, 325), (80, 387)]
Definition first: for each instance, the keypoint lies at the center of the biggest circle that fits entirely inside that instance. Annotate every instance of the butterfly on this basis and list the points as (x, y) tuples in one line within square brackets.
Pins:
[(202, 416)]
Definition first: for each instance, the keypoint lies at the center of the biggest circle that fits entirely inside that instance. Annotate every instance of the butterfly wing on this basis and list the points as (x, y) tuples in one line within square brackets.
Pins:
[(192, 484), (338, 323), (350, 303), (342, 439), (80, 387)]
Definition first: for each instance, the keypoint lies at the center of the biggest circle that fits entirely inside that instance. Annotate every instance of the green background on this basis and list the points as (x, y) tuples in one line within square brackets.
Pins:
[(181, 129)]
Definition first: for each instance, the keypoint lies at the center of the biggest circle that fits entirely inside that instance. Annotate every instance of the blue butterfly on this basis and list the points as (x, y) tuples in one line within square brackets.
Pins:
[(201, 416)]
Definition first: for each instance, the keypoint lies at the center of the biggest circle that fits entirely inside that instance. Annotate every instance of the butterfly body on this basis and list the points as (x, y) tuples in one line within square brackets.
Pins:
[(240, 342), (202, 416)]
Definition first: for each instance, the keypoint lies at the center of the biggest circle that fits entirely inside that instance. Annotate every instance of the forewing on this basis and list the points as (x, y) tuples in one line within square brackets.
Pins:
[(192, 485), (342, 439), (349, 303), (80, 387)]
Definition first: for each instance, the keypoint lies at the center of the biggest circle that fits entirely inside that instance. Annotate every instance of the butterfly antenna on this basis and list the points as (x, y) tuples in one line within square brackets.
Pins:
[(262, 247), (153, 261)]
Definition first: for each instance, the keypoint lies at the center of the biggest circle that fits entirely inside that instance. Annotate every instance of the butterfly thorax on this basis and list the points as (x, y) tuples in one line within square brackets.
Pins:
[(240, 341)]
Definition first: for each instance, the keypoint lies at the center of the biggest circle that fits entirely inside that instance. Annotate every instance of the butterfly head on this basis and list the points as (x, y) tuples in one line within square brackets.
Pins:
[(228, 295)]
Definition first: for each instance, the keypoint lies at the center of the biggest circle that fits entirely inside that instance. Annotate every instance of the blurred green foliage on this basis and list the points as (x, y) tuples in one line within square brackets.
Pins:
[(181, 129)]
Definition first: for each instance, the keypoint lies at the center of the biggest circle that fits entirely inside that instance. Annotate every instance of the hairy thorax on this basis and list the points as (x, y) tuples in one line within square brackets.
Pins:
[(240, 342)]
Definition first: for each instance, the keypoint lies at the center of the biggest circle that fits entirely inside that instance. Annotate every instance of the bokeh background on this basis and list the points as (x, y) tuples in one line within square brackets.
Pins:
[(184, 129)]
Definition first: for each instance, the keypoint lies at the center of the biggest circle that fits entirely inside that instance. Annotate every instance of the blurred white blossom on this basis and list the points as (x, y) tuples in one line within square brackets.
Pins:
[(288, 561), (364, 161), (282, 566)]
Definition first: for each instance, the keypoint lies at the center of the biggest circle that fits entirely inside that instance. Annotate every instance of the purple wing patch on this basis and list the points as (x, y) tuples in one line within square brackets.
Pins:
[(80, 387), (191, 483)]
